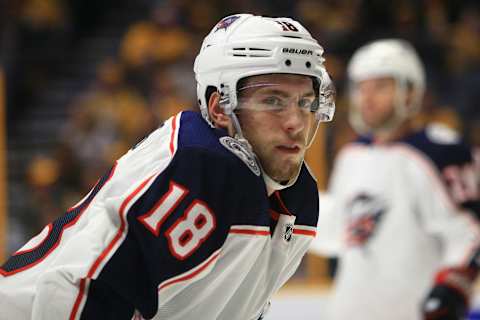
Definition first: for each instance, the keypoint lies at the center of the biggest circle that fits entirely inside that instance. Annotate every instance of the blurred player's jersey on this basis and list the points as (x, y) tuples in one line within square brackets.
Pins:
[(180, 228), (395, 214)]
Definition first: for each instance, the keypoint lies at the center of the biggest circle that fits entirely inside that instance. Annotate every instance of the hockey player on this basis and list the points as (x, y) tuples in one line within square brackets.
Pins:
[(400, 208), (209, 215)]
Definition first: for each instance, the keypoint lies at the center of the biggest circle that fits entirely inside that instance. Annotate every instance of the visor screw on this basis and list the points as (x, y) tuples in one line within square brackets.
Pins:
[(308, 64), (288, 63)]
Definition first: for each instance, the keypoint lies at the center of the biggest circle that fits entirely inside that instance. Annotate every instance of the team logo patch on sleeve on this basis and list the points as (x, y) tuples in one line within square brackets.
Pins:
[(242, 152)]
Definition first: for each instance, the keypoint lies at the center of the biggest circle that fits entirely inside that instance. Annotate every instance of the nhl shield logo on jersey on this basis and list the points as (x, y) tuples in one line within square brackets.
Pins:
[(288, 232), (241, 151)]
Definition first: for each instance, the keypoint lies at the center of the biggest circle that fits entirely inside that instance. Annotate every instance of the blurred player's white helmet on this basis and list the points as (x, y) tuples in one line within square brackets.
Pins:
[(245, 45), (388, 58)]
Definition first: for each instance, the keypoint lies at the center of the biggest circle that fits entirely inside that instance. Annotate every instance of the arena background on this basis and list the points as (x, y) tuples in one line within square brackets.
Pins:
[(82, 80)]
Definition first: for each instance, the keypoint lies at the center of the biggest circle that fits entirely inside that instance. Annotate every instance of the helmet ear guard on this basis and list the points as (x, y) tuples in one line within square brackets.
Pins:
[(326, 99)]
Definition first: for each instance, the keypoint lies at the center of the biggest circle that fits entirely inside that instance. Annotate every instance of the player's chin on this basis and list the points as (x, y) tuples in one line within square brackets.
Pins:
[(285, 171)]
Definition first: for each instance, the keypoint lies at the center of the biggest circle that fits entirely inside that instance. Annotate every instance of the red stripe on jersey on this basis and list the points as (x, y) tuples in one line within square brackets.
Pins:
[(172, 137), (274, 214), (107, 250), (57, 243), (310, 233), (250, 231), (191, 275), (120, 230), (78, 300), (277, 194)]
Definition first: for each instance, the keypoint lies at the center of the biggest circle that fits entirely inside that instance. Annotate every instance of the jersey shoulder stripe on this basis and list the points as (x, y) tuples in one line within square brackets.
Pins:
[(441, 145)]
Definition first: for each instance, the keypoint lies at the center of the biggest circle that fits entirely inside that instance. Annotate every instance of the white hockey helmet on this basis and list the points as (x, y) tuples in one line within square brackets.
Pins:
[(394, 58), (244, 45)]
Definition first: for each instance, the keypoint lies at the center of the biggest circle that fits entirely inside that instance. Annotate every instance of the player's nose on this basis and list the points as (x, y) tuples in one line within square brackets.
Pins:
[(294, 120)]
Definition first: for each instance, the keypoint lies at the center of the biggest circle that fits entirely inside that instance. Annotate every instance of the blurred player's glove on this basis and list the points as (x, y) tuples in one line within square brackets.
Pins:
[(448, 300)]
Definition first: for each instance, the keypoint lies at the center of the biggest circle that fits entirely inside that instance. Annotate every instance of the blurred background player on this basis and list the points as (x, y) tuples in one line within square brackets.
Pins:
[(402, 207), (208, 216)]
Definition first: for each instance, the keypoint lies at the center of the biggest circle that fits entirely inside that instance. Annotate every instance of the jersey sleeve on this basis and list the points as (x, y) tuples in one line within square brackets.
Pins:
[(456, 163), (447, 201)]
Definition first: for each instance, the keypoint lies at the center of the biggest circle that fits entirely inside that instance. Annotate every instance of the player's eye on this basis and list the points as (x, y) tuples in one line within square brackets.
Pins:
[(306, 103), (274, 103)]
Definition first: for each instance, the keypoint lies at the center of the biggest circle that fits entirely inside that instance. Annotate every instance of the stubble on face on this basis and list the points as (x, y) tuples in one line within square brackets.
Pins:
[(279, 166), (269, 139)]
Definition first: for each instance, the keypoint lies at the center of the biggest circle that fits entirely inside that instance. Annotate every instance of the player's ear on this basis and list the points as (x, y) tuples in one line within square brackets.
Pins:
[(217, 115), (411, 94)]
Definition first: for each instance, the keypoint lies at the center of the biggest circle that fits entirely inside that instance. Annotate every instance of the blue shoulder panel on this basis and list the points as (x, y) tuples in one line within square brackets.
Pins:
[(195, 132), (442, 154)]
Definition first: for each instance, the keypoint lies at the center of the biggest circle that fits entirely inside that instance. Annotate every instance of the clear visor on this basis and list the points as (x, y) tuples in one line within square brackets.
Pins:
[(275, 97), (310, 104)]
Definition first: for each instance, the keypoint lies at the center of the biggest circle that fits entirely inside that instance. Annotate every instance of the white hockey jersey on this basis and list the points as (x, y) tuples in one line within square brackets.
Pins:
[(395, 214), (180, 228)]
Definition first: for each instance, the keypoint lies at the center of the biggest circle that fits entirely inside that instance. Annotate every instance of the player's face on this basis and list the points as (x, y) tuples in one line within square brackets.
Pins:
[(275, 117), (375, 100)]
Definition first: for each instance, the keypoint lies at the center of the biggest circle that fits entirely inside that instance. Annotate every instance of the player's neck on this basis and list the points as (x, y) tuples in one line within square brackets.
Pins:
[(382, 137)]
